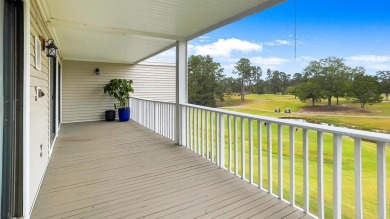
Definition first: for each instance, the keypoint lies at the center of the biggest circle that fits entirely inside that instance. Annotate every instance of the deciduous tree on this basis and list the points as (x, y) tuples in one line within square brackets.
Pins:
[(365, 89), (310, 90), (384, 79), (332, 74)]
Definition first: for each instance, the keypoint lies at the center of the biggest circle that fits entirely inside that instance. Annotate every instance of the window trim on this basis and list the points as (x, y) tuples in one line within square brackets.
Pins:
[(38, 54)]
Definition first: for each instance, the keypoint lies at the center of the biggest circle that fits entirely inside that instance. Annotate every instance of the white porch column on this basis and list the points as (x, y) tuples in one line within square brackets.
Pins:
[(27, 205), (181, 92)]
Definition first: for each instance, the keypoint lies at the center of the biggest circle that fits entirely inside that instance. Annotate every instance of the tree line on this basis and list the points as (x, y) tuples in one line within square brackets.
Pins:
[(322, 79)]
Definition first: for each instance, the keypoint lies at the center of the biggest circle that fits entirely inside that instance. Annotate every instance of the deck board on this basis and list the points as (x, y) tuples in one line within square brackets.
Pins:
[(123, 170)]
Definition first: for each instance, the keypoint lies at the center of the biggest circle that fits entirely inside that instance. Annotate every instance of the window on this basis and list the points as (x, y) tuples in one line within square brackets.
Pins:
[(37, 53)]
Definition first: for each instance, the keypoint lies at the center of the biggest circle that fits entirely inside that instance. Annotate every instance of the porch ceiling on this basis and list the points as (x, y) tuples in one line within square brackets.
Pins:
[(130, 31)]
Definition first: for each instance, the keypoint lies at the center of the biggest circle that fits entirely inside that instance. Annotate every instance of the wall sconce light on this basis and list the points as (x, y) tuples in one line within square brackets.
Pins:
[(97, 71), (51, 48)]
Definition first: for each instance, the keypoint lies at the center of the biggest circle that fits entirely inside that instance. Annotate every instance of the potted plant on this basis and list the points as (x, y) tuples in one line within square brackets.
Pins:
[(120, 89)]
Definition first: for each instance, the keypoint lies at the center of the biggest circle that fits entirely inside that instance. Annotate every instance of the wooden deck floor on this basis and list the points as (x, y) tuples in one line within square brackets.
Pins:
[(123, 170)]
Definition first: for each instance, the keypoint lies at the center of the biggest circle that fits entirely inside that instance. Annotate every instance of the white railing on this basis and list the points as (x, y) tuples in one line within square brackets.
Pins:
[(243, 144), (155, 115)]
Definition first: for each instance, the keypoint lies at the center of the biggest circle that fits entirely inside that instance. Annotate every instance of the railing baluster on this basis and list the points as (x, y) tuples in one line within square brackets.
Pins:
[(260, 153), (173, 108), (280, 161), (188, 136), (207, 134), (212, 136), (162, 120), (337, 171), (193, 130), (292, 166), (150, 114), (269, 155), (381, 168), (167, 121), (143, 115), (161, 131), (184, 123), (235, 146), (242, 148), (139, 110), (222, 141), (153, 112), (250, 123), (190, 122), (146, 113), (217, 138), (157, 118), (197, 131), (170, 114), (229, 143), (202, 132), (305, 171), (320, 174), (358, 179), (164, 123)]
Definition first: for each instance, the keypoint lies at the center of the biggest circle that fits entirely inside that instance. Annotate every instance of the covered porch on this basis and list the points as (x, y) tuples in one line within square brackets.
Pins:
[(177, 160), (123, 170)]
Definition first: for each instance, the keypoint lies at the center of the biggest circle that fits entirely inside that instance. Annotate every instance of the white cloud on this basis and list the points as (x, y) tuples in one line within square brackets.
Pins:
[(278, 43), (376, 67), (225, 47), (305, 59), (271, 61), (283, 42), (371, 63), (369, 58)]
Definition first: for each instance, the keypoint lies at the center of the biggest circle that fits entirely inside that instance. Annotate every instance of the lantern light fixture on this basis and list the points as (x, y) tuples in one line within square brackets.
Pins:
[(51, 48), (97, 71)]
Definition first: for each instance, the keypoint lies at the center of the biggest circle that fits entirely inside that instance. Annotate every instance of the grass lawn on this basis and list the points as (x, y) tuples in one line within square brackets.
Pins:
[(369, 174), (265, 105)]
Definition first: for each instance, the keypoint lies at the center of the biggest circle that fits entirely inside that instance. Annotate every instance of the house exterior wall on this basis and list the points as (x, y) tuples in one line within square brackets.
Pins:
[(83, 96), (39, 130)]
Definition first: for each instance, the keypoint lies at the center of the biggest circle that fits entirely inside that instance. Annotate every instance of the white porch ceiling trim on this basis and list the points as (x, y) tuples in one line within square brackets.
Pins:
[(131, 31), (111, 30)]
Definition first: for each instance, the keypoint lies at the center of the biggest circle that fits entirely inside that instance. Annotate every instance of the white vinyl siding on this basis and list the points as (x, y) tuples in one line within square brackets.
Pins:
[(83, 96), (39, 110)]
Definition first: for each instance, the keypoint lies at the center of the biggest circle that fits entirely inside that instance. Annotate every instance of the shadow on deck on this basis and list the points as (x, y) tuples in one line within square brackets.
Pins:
[(123, 170)]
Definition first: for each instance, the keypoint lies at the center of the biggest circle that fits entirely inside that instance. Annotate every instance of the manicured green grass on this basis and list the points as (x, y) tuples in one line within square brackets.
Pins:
[(265, 105), (369, 164)]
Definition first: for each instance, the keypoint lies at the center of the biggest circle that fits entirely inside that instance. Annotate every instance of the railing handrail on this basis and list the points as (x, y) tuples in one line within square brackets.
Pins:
[(354, 133), (374, 136), (151, 100)]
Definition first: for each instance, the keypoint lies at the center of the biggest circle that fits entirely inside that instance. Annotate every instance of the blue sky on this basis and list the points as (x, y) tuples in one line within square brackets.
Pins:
[(358, 31)]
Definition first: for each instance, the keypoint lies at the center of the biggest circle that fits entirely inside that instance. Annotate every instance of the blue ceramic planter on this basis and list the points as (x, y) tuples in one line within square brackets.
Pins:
[(124, 114)]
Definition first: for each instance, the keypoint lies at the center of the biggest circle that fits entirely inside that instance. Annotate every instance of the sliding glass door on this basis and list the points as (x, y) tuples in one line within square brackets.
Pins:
[(1, 96), (12, 40)]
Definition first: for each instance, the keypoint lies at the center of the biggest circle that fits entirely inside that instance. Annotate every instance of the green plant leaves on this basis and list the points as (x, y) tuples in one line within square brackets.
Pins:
[(120, 89)]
